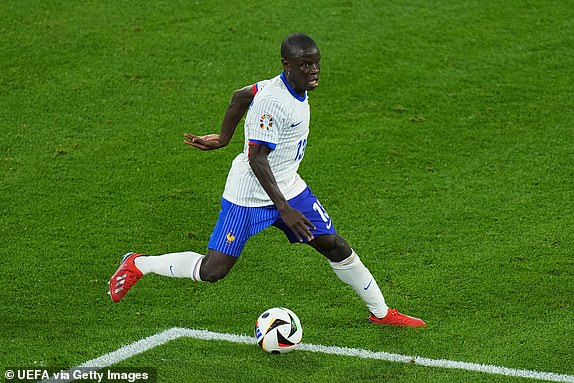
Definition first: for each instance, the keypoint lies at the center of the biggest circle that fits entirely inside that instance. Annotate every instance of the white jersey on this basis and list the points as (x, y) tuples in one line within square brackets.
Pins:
[(278, 118)]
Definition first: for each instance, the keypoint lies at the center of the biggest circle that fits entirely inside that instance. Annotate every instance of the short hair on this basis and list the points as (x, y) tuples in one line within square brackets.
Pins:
[(296, 45)]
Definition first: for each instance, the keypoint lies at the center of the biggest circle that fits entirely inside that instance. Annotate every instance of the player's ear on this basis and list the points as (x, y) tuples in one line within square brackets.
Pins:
[(286, 65)]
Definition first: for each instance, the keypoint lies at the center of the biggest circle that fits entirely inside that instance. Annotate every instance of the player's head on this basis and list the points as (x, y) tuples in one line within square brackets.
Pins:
[(301, 59)]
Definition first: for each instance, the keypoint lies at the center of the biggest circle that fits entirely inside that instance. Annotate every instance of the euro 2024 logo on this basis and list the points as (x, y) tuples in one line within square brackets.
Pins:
[(266, 122)]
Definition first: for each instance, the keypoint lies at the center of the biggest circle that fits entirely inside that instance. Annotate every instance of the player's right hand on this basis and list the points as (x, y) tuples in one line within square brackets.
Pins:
[(207, 142)]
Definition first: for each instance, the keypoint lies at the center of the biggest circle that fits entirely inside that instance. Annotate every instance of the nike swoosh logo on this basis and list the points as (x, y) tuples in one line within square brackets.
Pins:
[(171, 270), (329, 225), (369, 285), (294, 125)]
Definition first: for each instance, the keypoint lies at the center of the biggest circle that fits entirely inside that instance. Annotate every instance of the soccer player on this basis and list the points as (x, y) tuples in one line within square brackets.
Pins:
[(264, 189)]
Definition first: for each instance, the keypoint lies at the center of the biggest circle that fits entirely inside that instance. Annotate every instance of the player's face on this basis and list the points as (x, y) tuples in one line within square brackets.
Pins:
[(303, 72)]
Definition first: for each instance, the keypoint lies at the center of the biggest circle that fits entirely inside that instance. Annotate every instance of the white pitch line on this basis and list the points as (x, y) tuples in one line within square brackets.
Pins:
[(153, 341)]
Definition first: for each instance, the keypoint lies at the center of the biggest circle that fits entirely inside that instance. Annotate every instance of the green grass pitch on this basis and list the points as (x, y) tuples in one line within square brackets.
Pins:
[(441, 144)]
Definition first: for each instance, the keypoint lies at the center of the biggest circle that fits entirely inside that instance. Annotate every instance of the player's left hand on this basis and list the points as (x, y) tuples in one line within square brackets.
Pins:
[(298, 223), (207, 142)]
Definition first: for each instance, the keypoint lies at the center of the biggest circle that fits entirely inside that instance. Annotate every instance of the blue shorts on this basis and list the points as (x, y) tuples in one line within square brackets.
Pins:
[(236, 224)]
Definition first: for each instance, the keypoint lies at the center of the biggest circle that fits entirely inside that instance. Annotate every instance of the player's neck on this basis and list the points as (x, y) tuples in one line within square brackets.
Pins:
[(292, 88)]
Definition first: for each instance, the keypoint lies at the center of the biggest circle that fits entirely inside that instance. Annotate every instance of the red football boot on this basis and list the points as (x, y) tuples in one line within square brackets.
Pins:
[(395, 318), (125, 277)]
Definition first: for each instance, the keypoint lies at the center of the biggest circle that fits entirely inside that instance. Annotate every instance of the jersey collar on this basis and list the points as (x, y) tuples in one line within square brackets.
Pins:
[(293, 93)]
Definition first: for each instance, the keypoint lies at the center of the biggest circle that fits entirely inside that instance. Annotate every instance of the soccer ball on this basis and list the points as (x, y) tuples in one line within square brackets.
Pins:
[(278, 330)]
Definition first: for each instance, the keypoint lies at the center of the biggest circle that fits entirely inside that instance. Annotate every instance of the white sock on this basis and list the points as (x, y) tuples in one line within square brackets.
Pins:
[(178, 265), (355, 274)]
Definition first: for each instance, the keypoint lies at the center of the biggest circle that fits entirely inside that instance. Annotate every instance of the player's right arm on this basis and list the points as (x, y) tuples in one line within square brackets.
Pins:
[(236, 109)]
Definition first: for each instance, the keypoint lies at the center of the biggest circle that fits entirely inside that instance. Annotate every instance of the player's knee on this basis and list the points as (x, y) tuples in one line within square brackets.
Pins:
[(212, 275), (326, 243), (333, 247), (215, 266), (213, 272)]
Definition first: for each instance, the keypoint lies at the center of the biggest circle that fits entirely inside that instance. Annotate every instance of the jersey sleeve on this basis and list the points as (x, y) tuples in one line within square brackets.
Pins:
[(266, 118), (255, 88)]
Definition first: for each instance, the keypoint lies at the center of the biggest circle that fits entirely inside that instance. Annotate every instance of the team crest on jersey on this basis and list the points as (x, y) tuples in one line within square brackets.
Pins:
[(266, 122), (230, 238)]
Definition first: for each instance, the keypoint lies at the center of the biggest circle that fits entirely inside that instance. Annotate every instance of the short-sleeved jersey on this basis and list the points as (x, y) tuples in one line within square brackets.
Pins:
[(278, 118)]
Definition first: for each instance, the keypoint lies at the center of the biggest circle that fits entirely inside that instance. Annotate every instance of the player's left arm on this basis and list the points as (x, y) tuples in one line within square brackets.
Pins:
[(238, 106), (293, 218)]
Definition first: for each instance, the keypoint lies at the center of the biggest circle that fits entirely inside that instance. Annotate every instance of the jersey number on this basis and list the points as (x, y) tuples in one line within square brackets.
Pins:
[(301, 149)]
